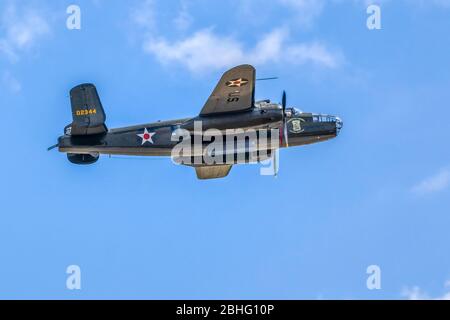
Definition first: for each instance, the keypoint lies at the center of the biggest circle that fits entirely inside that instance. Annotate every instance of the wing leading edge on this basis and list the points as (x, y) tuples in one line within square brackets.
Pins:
[(235, 92)]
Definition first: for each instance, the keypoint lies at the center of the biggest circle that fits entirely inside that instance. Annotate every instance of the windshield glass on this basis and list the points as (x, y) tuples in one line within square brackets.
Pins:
[(323, 118), (296, 111)]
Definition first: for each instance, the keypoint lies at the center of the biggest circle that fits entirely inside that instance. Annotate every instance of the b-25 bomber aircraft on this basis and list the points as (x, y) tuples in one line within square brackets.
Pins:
[(231, 105)]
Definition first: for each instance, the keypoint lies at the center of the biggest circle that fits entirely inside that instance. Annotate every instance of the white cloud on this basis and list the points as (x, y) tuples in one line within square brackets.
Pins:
[(416, 293), (315, 53), (19, 31), (183, 20), (300, 12), (438, 3), (204, 50), (201, 51), (435, 183), (144, 15), (305, 11), (423, 3)]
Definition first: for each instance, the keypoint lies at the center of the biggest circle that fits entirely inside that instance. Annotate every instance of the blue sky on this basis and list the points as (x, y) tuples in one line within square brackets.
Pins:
[(142, 228)]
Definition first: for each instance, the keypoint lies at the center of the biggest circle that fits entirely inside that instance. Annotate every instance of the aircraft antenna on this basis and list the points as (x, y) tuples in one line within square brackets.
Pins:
[(265, 79), (53, 147)]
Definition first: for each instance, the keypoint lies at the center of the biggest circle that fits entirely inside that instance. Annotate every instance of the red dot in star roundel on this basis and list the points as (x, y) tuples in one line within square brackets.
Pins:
[(146, 136)]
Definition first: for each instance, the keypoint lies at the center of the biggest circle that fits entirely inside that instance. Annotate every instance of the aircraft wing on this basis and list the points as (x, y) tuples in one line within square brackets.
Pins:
[(235, 92), (212, 172)]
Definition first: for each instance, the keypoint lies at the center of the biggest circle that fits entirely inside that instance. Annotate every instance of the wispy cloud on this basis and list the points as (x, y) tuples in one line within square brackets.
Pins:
[(422, 3), (416, 293), (184, 19), (206, 50), (198, 52), (144, 15), (20, 29), (305, 11), (438, 3), (435, 183)]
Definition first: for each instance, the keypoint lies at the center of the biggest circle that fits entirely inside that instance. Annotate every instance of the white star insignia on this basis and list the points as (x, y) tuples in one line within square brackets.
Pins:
[(237, 82), (147, 136)]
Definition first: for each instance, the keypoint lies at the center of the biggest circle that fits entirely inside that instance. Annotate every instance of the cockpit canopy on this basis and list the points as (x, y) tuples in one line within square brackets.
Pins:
[(267, 105), (323, 118), (311, 117), (292, 112)]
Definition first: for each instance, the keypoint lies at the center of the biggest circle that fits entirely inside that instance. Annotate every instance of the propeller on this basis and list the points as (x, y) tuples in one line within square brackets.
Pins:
[(283, 132), (283, 136)]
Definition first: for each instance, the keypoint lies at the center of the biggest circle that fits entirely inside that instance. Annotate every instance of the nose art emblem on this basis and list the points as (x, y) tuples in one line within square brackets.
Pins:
[(295, 125)]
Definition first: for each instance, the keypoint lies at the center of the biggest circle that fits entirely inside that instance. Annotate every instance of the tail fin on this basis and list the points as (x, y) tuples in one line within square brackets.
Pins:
[(87, 111)]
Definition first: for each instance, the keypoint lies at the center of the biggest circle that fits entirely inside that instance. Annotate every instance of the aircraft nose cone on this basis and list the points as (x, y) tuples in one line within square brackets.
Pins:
[(339, 124)]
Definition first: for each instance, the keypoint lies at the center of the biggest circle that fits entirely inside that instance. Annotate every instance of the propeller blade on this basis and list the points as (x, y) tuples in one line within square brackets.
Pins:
[(283, 131)]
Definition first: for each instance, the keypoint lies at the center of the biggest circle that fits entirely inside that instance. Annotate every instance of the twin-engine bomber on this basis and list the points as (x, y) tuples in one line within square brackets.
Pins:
[(257, 129)]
